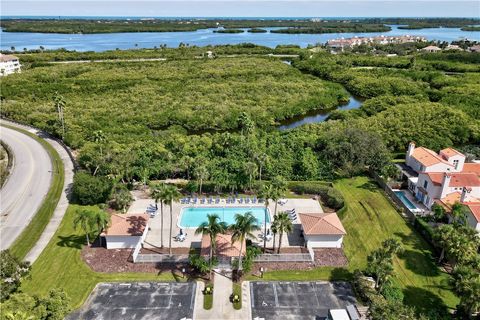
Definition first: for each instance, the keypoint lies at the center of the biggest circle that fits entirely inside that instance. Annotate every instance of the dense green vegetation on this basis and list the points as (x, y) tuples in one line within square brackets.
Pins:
[(165, 25), (257, 30), (471, 28), (30, 235), (336, 28), (61, 266), (229, 31), (163, 119), (370, 219)]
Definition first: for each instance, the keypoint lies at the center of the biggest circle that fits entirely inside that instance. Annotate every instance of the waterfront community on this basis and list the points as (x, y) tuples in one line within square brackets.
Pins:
[(335, 180)]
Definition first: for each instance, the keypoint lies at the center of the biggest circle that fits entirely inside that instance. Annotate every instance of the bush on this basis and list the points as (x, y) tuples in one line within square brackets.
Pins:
[(424, 229), (199, 263), (330, 196), (391, 291), (90, 190), (333, 198)]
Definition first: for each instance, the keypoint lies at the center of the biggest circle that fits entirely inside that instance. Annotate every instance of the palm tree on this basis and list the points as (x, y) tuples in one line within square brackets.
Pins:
[(283, 225), (274, 231), (212, 227), (467, 286), (266, 193), (201, 173), (84, 219), (243, 227), (250, 169), (279, 186), (102, 220), (158, 191), (171, 194)]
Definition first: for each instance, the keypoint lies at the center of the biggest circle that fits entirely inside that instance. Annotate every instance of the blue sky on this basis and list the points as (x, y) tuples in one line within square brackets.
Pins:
[(244, 8)]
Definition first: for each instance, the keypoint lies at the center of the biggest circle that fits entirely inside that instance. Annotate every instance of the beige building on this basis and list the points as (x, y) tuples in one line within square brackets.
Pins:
[(9, 64)]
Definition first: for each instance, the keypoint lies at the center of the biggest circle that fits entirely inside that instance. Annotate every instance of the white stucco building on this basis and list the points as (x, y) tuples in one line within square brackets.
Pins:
[(322, 230), (444, 178), (9, 64), (126, 230)]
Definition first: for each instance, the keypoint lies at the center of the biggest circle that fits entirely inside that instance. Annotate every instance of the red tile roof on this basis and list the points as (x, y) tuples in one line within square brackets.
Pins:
[(475, 209), (320, 224), (127, 225), (457, 179), (224, 246), (449, 152), (427, 157), (472, 168)]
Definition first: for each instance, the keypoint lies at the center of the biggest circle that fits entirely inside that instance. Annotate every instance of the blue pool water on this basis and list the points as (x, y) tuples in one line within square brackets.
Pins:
[(193, 217), (405, 200)]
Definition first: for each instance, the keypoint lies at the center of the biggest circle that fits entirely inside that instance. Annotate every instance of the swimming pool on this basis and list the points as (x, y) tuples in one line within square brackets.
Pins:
[(192, 217), (405, 200)]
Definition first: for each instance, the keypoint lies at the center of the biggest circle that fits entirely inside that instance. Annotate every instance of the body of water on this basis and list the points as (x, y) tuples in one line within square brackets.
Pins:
[(318, 116), (130, 40)]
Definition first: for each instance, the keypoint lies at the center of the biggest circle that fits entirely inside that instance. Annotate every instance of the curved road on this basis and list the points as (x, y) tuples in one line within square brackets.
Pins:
[(26, 187)]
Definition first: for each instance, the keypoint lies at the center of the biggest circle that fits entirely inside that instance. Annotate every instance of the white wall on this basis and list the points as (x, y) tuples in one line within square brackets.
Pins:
[(122, 242), (325, 241), (472, 221), (9, 67), (438, 167)]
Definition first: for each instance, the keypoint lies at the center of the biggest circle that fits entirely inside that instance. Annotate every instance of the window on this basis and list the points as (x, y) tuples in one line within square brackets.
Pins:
[(455, 164), (425, 184)]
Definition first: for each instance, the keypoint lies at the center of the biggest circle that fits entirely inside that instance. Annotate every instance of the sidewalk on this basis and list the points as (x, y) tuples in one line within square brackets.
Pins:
[(222, 307)]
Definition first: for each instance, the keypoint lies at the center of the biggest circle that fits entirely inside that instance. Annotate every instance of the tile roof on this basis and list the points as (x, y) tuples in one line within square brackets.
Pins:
[(224, 246), (472, 168), (464, 179), (428, 157), (7, 57), (449, 152), (127, 225), (319, 223), (457, 179), (475, 209)]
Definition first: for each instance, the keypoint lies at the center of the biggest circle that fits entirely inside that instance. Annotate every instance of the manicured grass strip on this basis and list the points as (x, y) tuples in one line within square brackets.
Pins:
[(208, 299), (237, 290), (369, 219), (27, 239), (61, 266)]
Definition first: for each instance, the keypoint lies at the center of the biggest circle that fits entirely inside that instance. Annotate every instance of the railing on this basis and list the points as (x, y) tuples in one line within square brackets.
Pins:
[(135, 253), (155, 257), (284, 257)]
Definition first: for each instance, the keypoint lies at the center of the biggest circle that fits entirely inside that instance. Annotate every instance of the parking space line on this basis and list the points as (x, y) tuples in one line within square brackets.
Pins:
[(315, 293), (192, 299), (275, 294)]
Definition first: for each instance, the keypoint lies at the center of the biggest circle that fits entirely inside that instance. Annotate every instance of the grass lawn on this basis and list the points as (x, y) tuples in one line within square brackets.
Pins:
[(27, 239), (237, 290), (60, 266), (369, 219)]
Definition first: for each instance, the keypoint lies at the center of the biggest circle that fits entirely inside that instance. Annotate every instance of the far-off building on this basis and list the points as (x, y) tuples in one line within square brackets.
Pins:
[(9, 64)]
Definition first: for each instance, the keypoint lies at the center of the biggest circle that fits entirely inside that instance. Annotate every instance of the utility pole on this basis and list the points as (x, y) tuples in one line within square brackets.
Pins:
[(60, 103)]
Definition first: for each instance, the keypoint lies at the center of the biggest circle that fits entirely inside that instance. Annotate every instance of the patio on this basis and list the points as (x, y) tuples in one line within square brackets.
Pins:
[(153, 239)]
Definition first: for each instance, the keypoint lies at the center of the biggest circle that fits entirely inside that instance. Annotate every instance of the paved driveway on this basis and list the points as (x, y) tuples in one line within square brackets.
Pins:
[(298, 300), (139, 300)]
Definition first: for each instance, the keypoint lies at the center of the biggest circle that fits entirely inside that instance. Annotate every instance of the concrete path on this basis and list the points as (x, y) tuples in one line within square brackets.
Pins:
[(62, 204), (222, 307), (26, 187)]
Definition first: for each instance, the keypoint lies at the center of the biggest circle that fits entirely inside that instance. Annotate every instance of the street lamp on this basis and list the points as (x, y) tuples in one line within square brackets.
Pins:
[(183, 272), (261, 272)]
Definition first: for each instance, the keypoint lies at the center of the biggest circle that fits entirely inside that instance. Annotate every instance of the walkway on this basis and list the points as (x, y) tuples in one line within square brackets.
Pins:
[(222, 307), (62, 204)]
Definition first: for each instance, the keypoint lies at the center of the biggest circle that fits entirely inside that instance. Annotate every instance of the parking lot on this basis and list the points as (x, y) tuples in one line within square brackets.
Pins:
[(139, 300), (298, 300)]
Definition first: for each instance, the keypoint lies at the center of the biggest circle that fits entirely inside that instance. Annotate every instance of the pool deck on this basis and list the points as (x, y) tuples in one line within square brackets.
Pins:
[(153, 237)]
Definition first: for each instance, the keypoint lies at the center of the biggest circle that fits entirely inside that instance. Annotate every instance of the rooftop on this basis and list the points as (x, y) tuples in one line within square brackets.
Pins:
[(224, 246), (475, 209), (320, 224), (127, 225), (427, 157), (7, 57), (457, 179)]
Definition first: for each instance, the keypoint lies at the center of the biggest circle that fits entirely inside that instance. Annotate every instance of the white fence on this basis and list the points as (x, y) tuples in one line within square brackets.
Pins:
[(284, 257)]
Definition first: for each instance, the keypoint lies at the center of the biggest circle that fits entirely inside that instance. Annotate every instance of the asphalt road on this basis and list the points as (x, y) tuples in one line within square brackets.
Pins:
[(26, 187)]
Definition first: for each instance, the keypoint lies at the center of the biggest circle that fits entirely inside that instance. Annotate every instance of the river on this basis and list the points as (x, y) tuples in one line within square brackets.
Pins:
[(130, 40), (316, 116)]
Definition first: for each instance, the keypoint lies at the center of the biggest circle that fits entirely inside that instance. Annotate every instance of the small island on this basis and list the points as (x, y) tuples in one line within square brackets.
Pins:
[(229, 31), (335, 28), (257, 30)]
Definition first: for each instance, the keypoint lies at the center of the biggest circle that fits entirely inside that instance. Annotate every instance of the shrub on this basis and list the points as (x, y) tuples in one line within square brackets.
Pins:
[(329, 195), (391, 291), (199, 263), (334, 198), (90, 190), (121, 198)]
